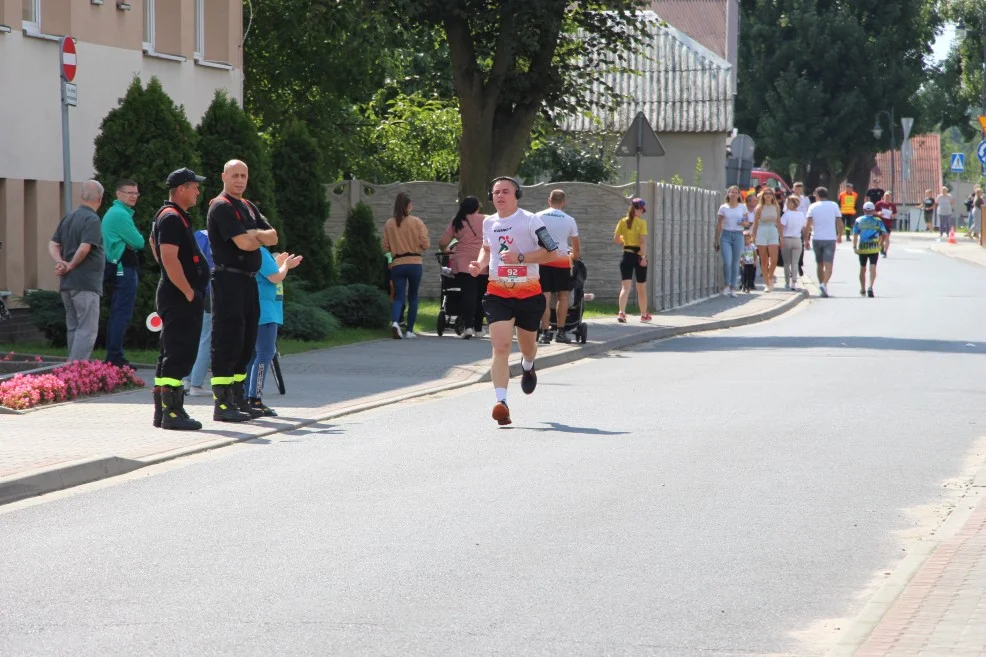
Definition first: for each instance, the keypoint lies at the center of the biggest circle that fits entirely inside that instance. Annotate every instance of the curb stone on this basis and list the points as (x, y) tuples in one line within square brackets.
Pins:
[(76, 473)]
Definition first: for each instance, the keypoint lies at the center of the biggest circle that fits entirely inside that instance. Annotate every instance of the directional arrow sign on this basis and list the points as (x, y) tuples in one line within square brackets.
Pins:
[(640, 139), (958, 162), (981, 151)]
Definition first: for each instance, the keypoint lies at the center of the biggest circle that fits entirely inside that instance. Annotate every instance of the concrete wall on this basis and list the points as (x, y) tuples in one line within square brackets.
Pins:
[(681, 224), (682, 153)]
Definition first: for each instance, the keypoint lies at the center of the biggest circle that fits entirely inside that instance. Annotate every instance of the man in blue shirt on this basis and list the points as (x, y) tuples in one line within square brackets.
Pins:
[(869, 238)]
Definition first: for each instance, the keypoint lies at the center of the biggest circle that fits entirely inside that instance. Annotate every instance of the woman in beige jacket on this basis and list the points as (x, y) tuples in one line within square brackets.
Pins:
[(404, 238)]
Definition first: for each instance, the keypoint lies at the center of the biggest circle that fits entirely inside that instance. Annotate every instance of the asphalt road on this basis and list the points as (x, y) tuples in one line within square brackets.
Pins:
[(737, 493)]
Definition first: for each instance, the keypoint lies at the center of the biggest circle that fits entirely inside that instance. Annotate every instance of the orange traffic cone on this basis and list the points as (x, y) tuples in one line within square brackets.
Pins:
[(951, 236)]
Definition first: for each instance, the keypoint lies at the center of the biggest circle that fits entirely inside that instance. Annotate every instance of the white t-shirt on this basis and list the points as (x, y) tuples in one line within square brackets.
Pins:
[(515, 233), (824, 214), (731, 217), (804, 203), (794, 222), (944, 205), (561, 226)]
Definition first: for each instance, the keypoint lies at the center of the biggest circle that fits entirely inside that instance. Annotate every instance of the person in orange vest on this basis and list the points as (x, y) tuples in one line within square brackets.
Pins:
[(847, 205)]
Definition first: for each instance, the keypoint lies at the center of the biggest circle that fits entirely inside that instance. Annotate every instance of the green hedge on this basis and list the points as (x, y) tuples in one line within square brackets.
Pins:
[(356, 306), (48, 314), (306, 322)]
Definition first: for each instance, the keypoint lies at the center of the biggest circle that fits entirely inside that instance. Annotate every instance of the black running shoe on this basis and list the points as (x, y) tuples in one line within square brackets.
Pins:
[(563, 337), (545, 337), (528, 381), (869, 293)]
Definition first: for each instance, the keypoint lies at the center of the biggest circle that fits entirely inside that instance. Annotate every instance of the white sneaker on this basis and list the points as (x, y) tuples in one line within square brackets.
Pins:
[(732, 293), (410, 335), (199, 391), (395, 330), (468, 333), (725, 291)]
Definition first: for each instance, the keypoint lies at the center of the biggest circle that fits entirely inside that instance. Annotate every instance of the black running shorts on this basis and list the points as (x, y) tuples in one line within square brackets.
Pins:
[(555, 279), (871, 258), (630, 266), (526, 313)]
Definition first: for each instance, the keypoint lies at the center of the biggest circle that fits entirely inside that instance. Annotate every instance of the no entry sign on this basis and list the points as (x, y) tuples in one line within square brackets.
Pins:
[(69, 61)]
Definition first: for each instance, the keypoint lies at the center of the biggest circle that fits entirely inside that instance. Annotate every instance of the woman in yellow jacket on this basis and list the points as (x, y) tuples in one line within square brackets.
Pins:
[(631, 234)]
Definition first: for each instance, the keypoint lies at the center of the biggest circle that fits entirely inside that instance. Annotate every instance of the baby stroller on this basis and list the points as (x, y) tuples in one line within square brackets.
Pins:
[(576, 305), (451, 301)]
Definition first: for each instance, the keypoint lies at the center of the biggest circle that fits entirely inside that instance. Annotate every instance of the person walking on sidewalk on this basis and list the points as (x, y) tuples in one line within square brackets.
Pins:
[(730, 224), (793, 223), (887, 211), (945, 203), (847, 205), (515, 242), (77, 249), (404, 238), (180, 298), (122, 242), (195, 383), (825, 225), (556, 276), (748, 261), (869, 239), (976, 213), (767, 236), (631, 234), (466, 231), (237, 230), (928, 205), (270, 289)]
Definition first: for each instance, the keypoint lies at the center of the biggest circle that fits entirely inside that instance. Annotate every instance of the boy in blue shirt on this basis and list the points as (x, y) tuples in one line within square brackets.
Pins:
[(869, 238), (270, 288)]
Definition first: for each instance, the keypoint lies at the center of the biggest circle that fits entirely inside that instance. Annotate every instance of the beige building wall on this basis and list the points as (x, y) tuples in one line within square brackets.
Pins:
[(682, 152), (110, 45), (681, 224)]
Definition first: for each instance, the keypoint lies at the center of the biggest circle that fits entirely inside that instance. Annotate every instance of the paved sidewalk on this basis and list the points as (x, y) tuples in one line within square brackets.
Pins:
[(965, 249), (68, 444)]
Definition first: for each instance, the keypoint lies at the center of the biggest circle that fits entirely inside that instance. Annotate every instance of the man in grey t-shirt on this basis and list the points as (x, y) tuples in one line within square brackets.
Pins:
[(77, 249), (945, 204)]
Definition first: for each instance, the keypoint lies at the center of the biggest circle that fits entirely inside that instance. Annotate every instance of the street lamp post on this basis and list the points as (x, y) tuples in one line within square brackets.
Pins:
[(878, 132)]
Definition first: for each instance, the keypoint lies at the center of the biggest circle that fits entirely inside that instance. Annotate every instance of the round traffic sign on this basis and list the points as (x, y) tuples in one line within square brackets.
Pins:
[(69, 61), (154, 322)]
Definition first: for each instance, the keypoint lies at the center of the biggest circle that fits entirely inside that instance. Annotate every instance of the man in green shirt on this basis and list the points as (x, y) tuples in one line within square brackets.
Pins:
[(122, 242)]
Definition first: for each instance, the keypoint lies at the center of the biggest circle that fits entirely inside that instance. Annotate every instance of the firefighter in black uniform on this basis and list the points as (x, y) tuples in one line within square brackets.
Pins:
[(180, 299), (236, 232)]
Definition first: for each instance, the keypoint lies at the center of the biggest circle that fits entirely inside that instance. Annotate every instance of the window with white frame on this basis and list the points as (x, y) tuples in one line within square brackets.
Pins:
[(149, 25), (200, 29), (31, 15)]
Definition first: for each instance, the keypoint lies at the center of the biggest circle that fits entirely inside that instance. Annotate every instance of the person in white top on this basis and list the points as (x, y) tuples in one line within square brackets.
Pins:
[(515, 242), (803, 201), (556, 276), (946, 207), (731, 222), (825, 225), (793, 224)]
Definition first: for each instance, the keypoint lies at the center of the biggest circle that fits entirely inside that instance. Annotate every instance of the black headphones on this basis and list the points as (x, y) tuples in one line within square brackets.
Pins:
[(520, 192)]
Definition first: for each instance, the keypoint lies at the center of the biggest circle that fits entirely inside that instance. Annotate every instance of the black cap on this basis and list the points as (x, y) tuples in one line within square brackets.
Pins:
[(182, 176)]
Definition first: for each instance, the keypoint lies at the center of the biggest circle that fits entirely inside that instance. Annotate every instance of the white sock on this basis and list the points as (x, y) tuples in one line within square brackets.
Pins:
[(501, 395), (526, 364)]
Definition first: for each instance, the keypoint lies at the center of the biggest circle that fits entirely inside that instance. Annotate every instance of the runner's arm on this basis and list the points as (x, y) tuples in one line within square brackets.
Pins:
[(576, 248)]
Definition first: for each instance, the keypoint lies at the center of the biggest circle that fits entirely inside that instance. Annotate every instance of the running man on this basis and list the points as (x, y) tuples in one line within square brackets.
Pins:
[(887, 211), (556, 276), (514, 296), (825, 225), (869, 238)]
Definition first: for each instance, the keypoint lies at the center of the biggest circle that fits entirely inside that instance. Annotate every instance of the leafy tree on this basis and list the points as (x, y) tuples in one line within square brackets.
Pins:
[(361, 258), (301, 197), (414, 138), (511, 59), (144, 138), (564, 158), (816, 72), (226, 132)]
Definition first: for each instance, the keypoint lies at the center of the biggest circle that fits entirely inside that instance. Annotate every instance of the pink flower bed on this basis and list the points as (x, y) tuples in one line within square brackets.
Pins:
[(70, 381)]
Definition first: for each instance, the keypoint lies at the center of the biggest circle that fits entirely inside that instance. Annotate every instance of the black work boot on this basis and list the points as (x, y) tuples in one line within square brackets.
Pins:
[(174, 416), (157, 406), (239, 396), (257, 403), (225, 407)]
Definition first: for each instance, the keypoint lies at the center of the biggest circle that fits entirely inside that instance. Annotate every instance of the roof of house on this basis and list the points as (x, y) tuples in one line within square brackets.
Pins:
[(702, 20), (925, 171), (679, 85)]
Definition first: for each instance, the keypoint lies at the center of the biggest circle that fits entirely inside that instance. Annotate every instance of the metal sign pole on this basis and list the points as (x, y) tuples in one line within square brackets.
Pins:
[(66, 150)]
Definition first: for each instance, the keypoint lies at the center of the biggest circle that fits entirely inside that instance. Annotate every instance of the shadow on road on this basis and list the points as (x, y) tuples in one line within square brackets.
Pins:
[(564, 428), (880, 343)]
